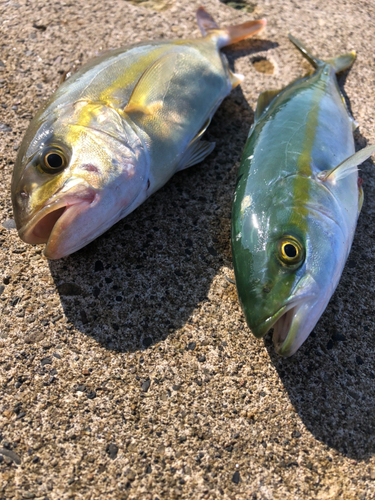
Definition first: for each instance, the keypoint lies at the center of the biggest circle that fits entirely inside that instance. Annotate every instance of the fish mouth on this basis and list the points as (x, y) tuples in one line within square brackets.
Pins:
[(286, 323), (59, 211), (285, 328)]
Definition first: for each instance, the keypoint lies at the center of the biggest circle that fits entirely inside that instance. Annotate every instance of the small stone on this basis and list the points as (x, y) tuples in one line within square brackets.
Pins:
[(296, 434), (338, 337), (86, 372), (46, 361), (9, 223), (27, 494), (83, 317), (330, 344), (236, 477), (191, 346), (34, 337), (130, 475), (148, 469), (2, 288), (112, 450), (146, 385), (56, 355), (182, 439), (10, 455), (69, 289), (99, 266), (176, 387), (40, 27), (359, 360), (5, 128), (202, 358), (147, 341), (91, 395)]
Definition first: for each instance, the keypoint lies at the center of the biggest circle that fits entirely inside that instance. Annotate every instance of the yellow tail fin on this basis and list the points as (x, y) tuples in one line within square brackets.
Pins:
[(231, 34)]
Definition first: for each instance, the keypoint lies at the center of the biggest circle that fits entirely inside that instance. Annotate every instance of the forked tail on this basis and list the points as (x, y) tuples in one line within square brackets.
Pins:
[(339, 63), (231, 34)]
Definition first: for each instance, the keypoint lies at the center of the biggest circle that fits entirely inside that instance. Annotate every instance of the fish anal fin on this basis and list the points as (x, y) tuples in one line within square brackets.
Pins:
[(264, 101), (236, 79), (149, 92), (195, 153), (347, 167)]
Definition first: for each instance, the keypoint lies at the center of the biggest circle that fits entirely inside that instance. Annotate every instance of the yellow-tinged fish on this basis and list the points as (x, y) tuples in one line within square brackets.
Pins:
[(116, 131)]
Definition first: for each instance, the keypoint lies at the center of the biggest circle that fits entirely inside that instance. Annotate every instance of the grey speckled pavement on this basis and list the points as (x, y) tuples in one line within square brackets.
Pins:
[(126, 369)]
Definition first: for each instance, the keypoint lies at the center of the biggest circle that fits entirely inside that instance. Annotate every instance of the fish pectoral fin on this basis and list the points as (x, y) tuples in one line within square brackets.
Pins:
[(195, 153), (347, 167), (264, 101), (150, 90), (144, 109)]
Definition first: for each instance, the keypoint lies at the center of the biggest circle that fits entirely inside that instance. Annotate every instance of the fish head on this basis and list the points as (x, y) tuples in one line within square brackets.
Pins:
[(80, 169), (287, 265)]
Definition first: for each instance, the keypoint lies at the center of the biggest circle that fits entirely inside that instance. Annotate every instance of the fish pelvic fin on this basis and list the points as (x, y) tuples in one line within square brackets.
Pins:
[(229, 35), (339, 63)]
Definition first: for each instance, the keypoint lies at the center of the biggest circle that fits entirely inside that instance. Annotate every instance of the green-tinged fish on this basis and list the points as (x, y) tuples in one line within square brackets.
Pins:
[(296, 204), (116, 131)]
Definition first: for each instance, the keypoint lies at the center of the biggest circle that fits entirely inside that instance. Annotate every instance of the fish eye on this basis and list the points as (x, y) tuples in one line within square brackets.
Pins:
[(54, 160), (291, 251)]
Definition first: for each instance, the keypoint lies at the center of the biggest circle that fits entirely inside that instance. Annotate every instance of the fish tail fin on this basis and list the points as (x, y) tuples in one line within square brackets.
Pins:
[(339, 63), (229, 35)]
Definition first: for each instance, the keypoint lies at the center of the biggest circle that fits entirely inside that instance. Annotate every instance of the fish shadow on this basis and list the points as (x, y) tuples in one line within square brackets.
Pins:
[(330, 380), (141, 281)]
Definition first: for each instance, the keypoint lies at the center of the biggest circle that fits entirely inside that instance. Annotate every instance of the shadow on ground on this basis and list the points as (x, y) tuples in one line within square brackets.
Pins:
[(331, 379)]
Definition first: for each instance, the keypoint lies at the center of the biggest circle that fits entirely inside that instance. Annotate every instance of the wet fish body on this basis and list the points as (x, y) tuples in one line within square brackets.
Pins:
[(116, 131), (296, 204)]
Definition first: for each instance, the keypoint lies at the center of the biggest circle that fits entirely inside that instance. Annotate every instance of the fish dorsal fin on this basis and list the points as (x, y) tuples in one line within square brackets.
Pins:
[(347, 167), (147, 98), (264, 101), (339, 63), (205, 21)]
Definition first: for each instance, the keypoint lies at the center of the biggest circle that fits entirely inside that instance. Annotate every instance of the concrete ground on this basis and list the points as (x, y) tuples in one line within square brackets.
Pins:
[(126, 369)]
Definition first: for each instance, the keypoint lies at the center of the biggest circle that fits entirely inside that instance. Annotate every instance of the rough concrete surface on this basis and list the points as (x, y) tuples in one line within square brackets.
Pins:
[(126, 369)]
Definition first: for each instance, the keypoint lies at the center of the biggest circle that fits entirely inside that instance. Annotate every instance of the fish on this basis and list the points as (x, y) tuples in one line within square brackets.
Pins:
[(296, 203), (116, 131)]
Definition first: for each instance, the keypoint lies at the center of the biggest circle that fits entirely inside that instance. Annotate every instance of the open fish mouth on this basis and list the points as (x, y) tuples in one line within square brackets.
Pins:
[(289, 325), (57, 214), (285, 329)]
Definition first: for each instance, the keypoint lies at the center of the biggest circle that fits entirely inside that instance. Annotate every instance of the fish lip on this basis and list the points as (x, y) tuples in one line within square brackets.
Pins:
[(283, 327), (270, 322), (72, 197)]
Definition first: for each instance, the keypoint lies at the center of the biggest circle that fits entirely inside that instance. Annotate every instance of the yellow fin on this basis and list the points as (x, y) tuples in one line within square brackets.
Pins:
[(229, 35), (150, 90), (264, 100)]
